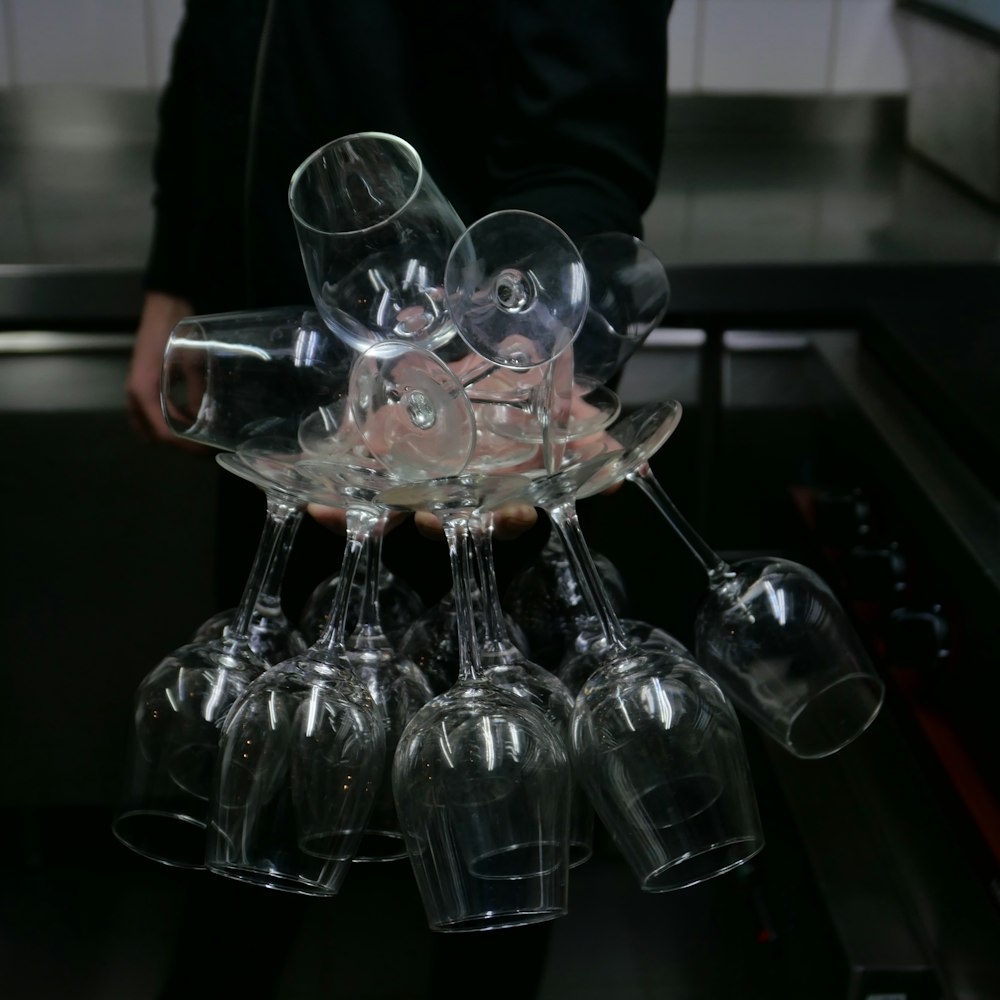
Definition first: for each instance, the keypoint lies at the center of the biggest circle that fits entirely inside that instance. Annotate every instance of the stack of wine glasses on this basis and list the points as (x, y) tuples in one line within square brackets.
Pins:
[(455, 370)]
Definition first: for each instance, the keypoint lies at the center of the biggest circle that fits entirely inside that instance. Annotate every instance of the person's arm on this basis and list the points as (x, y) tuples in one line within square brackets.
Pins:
[(195, 261), (160, 314), (199, 163)]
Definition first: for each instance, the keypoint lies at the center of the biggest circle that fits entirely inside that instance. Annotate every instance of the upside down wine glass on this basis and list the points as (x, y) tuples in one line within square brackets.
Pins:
[(398, 687), (301, 758), (481, 778), (653, 739), (226, 379), (505, 665), (180, 707), (399, 604), (546, 602)]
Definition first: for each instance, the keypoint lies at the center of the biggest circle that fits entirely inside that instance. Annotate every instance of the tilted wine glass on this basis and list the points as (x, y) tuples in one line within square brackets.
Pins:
[(654, 740), (774, 635), (412, 411), (629, 295), (396, 686), (375, 232), (516, 288), (481, 778)]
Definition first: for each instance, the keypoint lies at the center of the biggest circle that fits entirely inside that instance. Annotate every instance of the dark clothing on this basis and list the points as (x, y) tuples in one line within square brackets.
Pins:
[(533, 104), (542, 105)]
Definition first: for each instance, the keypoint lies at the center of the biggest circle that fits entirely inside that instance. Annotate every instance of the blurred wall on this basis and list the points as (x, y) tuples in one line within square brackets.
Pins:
[(716, 46)]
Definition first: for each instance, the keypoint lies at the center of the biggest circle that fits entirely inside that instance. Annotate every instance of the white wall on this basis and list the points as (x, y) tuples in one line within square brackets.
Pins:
[(108, 43), (716, 46), (786, 47)]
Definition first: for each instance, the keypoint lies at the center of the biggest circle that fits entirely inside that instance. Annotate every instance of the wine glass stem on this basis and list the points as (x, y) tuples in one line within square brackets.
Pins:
[(714, 566), (369, 624), (497, 634), (564, 519), (360, 525), (456, 529), (280, 526)]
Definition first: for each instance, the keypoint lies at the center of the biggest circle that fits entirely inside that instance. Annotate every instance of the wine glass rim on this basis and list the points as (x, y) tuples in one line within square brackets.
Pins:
[(317, 154)]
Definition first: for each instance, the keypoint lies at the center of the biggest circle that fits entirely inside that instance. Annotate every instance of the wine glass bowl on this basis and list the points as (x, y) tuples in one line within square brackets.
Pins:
[(229, 378), (300, 760), (180, 707), (374, 233), (629, 295), (775, 636), (660, 752)]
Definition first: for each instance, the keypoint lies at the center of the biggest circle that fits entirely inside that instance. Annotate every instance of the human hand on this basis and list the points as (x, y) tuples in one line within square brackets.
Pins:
[(160, 314)]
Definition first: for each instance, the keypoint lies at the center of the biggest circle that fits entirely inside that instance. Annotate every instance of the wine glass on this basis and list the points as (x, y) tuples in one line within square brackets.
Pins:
[(396, 686), (399, 689), (775, 637), (516, 289), (653, 739), (375, 233), (301, 758), (227, 379), (481, 778), (179, 709), (332, 435)]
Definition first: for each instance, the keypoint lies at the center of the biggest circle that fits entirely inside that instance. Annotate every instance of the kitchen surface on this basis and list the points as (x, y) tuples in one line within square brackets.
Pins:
[(833, 339)]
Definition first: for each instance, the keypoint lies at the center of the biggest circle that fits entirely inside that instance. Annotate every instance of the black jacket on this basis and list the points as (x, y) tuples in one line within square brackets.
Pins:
[(553, 107)]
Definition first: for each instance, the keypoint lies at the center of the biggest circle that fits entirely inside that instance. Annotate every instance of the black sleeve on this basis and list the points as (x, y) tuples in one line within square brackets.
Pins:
[(580, 111), (199, 159)]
